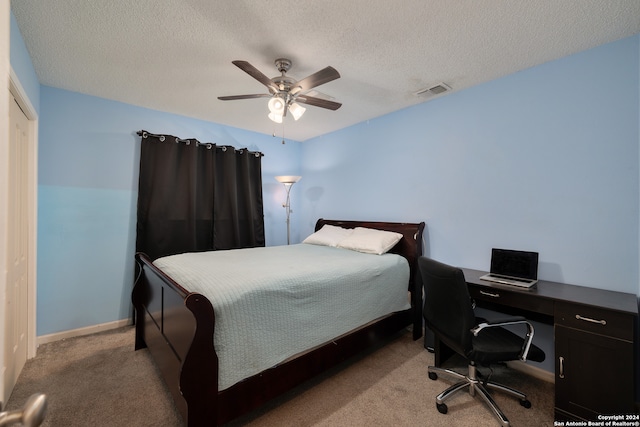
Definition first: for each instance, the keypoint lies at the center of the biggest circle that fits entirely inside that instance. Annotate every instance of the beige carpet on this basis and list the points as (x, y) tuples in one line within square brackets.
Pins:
[(99, 380)]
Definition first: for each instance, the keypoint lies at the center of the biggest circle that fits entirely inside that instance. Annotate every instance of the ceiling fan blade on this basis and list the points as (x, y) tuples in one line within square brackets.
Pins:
[(256, 74), (318, 102), (234, 97), (316, 79)]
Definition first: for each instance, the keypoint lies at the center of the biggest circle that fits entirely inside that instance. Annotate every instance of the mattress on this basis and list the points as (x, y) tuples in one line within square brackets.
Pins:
[(275, 302)]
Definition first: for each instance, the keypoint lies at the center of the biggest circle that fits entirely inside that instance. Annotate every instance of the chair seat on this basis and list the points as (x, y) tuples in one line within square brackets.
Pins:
[(494, 345)]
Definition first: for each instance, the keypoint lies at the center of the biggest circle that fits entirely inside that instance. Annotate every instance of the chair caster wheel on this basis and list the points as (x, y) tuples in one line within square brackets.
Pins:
[(525, 403), (442, 408), (433, 376)]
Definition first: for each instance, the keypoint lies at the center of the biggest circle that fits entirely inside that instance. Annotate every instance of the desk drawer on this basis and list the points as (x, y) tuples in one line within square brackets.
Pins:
[(514, 299), (595, 319)]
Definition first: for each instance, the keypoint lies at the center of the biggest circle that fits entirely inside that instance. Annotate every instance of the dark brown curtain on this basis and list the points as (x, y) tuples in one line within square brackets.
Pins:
[(197, 197)]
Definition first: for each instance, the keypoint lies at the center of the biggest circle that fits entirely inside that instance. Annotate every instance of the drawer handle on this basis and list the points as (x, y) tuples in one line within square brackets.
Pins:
[(489, 294), (561, 360), (586, 319)]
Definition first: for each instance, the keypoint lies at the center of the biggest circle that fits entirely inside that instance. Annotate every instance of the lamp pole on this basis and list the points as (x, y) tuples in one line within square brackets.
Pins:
[(287, 207), (288, 181)]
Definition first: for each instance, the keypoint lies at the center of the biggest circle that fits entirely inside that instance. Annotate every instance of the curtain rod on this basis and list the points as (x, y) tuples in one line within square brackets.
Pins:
[(209, 145)]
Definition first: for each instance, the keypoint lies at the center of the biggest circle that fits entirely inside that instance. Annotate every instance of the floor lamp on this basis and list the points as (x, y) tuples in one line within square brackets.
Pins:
[(288, 181)]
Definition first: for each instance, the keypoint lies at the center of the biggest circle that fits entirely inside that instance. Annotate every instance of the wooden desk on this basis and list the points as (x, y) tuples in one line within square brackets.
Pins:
[(595, 334)]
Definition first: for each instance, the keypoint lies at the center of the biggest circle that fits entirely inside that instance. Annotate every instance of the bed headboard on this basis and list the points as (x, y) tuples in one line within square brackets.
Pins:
[(410, 246)]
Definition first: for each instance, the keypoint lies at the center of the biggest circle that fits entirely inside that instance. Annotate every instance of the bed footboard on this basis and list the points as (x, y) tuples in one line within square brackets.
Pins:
[(177, 328)]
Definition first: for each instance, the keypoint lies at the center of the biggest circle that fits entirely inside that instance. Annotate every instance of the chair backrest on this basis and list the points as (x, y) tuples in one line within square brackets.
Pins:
[(448, 309)]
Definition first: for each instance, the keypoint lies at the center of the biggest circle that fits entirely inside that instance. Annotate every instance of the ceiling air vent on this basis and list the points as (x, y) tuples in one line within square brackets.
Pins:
[(435, 90)]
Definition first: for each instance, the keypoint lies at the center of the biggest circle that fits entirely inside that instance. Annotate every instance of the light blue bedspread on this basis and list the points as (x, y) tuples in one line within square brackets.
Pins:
[(275, 302)]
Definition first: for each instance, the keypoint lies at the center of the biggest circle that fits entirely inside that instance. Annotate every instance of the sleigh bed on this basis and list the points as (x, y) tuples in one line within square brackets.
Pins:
[(178, 326)]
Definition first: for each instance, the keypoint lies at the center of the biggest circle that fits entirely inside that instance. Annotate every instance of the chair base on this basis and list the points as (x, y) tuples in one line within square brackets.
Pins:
[(475, 385)]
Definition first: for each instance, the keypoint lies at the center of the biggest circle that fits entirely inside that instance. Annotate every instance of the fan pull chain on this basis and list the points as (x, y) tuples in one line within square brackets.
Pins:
[(274, 133)]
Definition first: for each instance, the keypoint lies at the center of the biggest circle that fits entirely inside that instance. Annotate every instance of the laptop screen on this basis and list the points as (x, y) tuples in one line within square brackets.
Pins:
[(508, 262)]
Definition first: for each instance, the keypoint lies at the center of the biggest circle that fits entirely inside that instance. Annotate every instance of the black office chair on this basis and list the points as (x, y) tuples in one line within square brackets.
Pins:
[(448, 312)]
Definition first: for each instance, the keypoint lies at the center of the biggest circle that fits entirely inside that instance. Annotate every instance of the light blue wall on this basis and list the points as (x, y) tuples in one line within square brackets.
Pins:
[(88, 161), (544, 160), (22, 65)]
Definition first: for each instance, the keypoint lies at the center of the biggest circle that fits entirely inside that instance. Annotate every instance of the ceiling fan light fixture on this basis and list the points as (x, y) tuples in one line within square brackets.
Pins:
[(296, 110), (276, 105), (275, 117)]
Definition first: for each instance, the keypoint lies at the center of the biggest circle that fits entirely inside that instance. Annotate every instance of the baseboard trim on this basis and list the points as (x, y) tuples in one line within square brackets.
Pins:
[(533, 371), (44, 339)]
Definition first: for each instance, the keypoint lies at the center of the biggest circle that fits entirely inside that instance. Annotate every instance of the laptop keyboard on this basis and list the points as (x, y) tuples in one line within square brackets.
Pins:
[(507, 280), (497, 276)]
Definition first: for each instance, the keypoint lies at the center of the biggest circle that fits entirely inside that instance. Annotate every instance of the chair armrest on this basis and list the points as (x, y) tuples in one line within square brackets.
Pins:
[(515, 320), (505, 320)]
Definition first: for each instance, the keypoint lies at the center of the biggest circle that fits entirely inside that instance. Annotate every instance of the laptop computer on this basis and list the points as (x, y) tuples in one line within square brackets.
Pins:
[(515, 268)]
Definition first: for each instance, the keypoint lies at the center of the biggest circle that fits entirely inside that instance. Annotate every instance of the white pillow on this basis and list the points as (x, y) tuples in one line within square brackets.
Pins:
[(371, 241), (328, 235)]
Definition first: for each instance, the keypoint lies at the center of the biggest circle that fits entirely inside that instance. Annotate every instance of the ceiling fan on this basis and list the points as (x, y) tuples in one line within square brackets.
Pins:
[(286, 93)]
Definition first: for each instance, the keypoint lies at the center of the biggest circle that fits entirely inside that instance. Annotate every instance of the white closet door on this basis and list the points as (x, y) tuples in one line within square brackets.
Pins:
[(17, 303)]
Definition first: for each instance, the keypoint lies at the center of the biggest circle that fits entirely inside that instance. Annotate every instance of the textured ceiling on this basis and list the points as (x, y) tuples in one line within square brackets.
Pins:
[(175, 55)]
